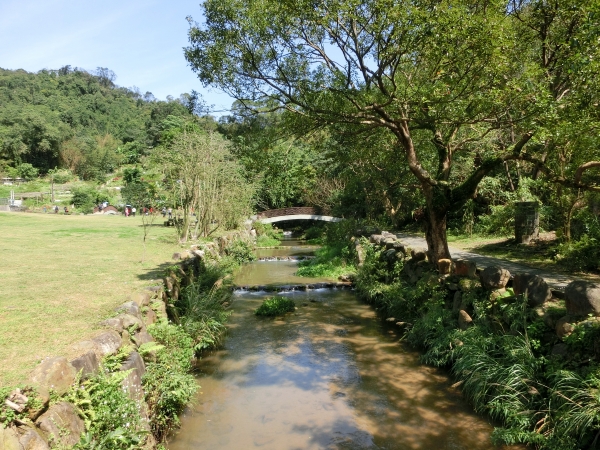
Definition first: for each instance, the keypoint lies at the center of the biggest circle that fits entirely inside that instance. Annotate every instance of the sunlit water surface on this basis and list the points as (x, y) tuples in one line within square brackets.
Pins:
[(332, 375)]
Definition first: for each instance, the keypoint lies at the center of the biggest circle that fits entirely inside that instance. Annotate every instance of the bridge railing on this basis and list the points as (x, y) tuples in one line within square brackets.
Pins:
[(295, 210)]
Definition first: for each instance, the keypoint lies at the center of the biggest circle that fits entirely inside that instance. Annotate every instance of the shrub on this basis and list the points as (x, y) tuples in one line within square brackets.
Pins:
[(85, 199), (168, 384), (275, 306), (330, 262), (240, 251), (313, 233), (24, 170), (583, 254), (267, 241), (335, 258), (111, 418), (61, 176), (267, 236), (201, 314), (168, 390)]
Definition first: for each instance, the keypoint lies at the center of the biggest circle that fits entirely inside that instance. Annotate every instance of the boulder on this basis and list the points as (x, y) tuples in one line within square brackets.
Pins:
[(30, 439), (142, 337), (389, 255), (200, 253), (126, 339), (87, 364), (399, 247), (468, 284), (496, 294), (43, 397), (169, 283), (131, 308), (535, 287), (465, 268), (560, 350), (114, 323), (9, 439), (108, 343), (150, 316), (54, 373), (141, 298), (133, 383), (360, 253), (376, 239), (389, 242), (582, 298), (61, 424), (154, 289), (494, 277), (445, 266), (130, 322), (457, 302), (16, 400), (464, 320), (418, 254), (565, 326)]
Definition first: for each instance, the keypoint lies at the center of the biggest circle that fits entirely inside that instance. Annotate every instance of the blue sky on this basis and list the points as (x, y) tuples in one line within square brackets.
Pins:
[(140, 40)]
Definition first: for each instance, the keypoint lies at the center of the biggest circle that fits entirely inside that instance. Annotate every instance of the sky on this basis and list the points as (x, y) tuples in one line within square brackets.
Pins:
[(141, 41)]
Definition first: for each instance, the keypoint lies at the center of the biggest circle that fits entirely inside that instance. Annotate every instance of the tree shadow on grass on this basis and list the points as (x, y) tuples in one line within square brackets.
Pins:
[(155, 273)]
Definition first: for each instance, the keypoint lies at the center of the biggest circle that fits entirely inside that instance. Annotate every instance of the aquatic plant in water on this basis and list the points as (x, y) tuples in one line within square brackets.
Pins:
[(275, 306)]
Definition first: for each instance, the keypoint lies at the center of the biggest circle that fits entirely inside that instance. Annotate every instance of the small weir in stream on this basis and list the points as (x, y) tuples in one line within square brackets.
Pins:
[(331, 375)]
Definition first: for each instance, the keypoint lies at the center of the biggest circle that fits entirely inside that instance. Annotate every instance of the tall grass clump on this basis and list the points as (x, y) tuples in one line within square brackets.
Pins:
[(241, 251), (167, 381), (201, 314), (266, 235), (335, 258), (275, 306)]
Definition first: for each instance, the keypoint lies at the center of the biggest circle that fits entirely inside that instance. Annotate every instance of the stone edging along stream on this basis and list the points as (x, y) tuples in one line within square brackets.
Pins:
[(58, 424), (582, 298)]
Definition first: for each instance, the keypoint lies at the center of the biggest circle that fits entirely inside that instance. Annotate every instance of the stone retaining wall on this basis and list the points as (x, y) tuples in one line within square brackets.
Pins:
[(582, 298)]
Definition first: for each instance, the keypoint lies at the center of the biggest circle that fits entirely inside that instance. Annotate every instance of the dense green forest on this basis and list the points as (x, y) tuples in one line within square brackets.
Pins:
[(80, 121)]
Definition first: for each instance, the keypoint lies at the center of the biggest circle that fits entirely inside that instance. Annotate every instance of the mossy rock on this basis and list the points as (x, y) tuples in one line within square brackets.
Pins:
[(431, 279), (468, 284)]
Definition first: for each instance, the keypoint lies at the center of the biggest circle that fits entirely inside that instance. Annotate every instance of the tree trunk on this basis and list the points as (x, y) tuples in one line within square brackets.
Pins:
[(435, 223)]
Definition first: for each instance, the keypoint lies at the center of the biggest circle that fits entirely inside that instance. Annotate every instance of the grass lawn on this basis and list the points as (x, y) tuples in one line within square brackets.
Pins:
[(62, 274)]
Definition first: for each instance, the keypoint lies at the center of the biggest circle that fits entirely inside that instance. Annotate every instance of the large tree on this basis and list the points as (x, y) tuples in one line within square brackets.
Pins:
[(447, 80)]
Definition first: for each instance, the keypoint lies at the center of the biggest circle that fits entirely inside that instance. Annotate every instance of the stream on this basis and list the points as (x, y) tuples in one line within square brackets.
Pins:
[(331, 375)]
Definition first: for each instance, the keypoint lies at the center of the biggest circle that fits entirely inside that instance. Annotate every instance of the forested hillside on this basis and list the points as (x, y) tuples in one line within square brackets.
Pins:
[(82, 121)]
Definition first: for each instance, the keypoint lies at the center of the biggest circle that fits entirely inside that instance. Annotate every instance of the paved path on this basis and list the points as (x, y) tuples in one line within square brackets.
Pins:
[(555, 280)]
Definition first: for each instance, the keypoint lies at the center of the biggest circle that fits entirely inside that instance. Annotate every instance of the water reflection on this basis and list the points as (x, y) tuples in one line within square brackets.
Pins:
[(329, 376)]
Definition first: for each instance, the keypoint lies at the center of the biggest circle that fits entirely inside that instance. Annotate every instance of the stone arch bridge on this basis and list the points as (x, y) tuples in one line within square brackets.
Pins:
[(294, 213)]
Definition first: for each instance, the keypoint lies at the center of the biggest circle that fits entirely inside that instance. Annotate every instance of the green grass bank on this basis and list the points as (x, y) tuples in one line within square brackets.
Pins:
[(61, 274)]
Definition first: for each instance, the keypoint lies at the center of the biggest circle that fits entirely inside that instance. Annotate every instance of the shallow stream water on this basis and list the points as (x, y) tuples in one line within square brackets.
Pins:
[(331, 375)]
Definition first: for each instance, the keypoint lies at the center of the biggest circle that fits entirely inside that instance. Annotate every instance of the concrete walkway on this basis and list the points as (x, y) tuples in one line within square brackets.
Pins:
[(555, 281)]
